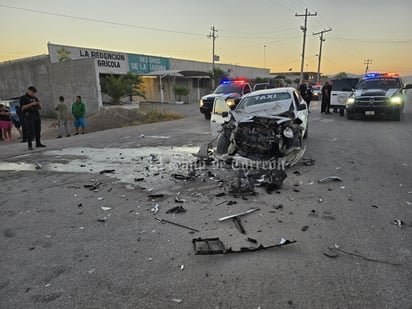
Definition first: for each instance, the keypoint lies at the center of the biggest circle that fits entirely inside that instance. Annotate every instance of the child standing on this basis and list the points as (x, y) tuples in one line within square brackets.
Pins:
[(78, 111), (5, 122)]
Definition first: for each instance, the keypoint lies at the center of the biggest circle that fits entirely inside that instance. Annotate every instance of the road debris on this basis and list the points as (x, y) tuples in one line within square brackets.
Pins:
[(210, 246), (177, 300), (239, 214), (104, 219), (398, 222), (304, 228), (176, 210), (107, 171), (332, 252), (105, 208), (330, 179), (177, 224), (178, 199), (154, 209)]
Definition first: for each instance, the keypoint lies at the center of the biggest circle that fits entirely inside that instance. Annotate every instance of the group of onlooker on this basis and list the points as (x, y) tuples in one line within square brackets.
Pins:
[(26, 118)]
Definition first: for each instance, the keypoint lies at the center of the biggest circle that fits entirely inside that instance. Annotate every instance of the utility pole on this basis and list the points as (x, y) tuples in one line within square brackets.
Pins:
[(264, 56), (367, 62), (320, 51), (304, 28), (213, 36)]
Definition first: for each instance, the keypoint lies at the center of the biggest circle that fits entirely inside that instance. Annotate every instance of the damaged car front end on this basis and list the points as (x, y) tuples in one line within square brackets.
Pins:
[(264, 133), (267, 128)]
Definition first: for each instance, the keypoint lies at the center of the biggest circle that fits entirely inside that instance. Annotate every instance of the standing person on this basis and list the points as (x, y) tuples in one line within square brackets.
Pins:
[(326, 91), (78, 111), (63, 117), (308, 97), (303, 89), (5, 123), (30, 106), (15, 118)]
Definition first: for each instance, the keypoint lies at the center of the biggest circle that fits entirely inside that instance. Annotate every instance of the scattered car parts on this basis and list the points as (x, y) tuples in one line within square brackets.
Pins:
[(211, 246)]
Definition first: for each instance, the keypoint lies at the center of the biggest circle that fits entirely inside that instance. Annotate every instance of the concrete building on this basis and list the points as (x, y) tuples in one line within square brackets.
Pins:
[(71, 71)]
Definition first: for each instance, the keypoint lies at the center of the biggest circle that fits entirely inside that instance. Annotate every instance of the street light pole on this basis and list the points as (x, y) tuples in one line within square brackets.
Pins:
[(213, 35), (264, 56)]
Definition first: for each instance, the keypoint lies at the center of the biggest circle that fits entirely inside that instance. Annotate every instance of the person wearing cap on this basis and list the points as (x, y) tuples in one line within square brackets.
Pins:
[(30, 106)]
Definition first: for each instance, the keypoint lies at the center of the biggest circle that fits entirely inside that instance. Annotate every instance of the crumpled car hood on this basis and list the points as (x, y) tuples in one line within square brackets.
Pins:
[(220, 95), (262, 110)]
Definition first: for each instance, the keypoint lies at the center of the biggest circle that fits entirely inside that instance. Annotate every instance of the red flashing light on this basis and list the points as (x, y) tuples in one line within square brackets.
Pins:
[(239, 81), (392, 74)]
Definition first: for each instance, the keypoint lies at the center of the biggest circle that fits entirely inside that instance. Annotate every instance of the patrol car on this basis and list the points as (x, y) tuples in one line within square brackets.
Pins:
[(230, 91), (378, 94)]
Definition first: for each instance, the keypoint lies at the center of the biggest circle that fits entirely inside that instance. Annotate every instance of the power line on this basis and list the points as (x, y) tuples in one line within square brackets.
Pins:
[(100, 21)]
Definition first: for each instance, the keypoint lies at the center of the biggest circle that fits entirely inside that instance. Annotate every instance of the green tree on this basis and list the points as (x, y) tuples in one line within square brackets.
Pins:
[(180, 91), (296, 81), (260, 80), (288, 82), (118, 87), (341, 75), (218, 75)]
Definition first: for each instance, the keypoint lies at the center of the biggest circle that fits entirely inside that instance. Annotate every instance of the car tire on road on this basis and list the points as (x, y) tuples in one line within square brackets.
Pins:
[(349, 116), (396, 116), (341, 112), (222, 144), (207, 115)]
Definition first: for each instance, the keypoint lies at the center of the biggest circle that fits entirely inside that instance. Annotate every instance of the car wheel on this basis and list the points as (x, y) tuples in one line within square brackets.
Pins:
[(341, 112), (207, 115), (222, 144), (305, 136), (349, 116), (396, 116)]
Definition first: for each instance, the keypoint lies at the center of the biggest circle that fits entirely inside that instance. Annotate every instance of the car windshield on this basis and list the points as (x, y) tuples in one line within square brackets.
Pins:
[(257, 99), (228, 88), (346, 84), (381, 83)]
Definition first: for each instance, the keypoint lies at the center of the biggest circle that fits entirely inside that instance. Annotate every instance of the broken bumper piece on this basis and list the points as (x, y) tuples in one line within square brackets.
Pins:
[(210, 246)]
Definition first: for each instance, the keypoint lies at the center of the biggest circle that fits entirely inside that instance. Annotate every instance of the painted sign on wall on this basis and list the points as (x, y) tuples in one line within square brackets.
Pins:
[(109, 61), (141, 64)]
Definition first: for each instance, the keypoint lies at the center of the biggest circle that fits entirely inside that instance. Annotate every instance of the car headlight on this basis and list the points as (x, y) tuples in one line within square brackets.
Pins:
[(350, 101), (201, 103), (396, 100), (231, 102), (288, 132)]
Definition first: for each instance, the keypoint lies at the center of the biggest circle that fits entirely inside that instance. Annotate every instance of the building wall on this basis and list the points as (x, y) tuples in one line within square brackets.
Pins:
[(52, 80)]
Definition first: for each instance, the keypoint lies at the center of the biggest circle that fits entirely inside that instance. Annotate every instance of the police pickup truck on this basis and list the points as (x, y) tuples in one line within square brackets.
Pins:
[(230, 91), (378, 94)]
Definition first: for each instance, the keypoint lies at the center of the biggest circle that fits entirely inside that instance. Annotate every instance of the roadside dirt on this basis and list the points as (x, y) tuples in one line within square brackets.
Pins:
[(112, 117)]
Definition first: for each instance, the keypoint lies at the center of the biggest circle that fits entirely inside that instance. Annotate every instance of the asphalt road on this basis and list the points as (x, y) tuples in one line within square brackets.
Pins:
[(56, 252)]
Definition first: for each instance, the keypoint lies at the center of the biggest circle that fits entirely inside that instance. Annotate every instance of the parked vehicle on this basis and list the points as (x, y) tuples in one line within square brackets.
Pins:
[(267, 125), (317, 92), (378, 94), (341, 90), (230, 91)]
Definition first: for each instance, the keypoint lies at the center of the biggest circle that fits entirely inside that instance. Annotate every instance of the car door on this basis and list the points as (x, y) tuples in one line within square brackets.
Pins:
[(216, 119), (301, 114)]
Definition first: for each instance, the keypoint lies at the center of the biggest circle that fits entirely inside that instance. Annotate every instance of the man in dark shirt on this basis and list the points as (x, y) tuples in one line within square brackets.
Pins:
[(30, 106), (326, 91)]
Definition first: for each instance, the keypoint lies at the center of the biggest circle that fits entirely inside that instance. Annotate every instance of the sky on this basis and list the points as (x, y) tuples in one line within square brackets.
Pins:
[(260, 33)]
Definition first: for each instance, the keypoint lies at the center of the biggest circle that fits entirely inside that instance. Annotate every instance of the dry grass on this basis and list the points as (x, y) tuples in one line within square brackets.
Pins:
[(157, 115)]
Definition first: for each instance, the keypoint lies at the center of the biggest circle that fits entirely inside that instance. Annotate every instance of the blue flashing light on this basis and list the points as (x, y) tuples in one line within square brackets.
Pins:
[(225, 82), (371, 75)]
